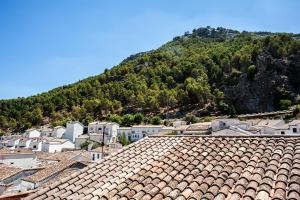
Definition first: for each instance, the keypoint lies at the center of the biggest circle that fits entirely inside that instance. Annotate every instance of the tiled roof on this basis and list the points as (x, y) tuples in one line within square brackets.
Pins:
[(7, 171), (49, 171), (190, 167)]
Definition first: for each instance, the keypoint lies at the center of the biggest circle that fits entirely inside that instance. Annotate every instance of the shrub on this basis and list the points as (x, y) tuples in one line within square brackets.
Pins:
[(252, 70), (285, 103)]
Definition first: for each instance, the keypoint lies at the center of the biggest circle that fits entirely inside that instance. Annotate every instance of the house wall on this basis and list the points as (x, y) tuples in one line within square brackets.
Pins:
[(19, 160), (284, 131), (73, 131), (68, 145), (58, 132), (13, 142), (296, 127), (95, 156), (33, 134), (110, 129), (24, 143), (138, 133), (36, 145), (26, 185)]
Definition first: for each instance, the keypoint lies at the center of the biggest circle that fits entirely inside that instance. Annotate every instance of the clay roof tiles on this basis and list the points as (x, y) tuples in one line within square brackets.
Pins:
[(190, 167)]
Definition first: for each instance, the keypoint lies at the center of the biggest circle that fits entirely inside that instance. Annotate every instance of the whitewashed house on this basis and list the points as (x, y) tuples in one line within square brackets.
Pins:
[(219, 124), (124, 131), (46, 132), (58, 131), (110, 129), (271, 127), (74, 129), (24, 143), (57, 145), (294, 127), (13, 142), (32, 133), (140, 131), (36, 144), (19, 159)]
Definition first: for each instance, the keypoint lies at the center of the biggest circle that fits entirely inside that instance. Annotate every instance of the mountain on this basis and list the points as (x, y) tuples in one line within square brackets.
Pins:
[(208, 71)]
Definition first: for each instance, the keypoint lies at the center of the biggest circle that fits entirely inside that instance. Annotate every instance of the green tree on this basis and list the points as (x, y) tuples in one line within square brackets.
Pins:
[(285, 103), (156, 120), (138, 118)]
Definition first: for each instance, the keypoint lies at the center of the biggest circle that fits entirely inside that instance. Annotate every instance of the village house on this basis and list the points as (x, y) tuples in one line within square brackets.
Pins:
[(57, 145), (13, 141), (32, 133), (46, 132), (36, 144), (109, 129), (73, 130), (269, 126), (3, 144), (140, 131), (52, 172), (294, 127), (219, 124), (24, 143), (22, 158), (58, 131), (10, 181), (126, 131)]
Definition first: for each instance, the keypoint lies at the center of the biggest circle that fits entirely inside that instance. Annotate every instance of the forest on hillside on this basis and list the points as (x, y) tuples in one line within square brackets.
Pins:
[(212, 70)]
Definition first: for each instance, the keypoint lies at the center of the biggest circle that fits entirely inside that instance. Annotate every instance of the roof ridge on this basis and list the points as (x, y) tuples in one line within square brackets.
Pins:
[(230, 136)]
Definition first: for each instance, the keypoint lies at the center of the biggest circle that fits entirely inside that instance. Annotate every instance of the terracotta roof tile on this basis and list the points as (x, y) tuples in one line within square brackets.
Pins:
[(190, 167)]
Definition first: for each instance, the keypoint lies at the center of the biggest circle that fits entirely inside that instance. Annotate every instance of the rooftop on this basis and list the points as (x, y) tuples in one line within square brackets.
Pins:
[(189, 167), (49, 171), (7, 171)]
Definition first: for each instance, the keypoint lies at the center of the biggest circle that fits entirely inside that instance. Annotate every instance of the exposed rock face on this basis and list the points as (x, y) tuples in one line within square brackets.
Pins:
[(267, 87)]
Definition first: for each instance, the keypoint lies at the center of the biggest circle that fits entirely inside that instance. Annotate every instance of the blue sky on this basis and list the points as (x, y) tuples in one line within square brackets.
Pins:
[(48, 43)]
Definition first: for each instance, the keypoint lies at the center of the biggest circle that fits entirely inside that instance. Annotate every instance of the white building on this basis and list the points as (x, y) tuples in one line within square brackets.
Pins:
[(24, 143), (13, 142), (19, 159), (110, 129), (32, 133), (57, 145), (58, 131), (141, 131), (294, 127), (74, 129), (219, 124), (36, 144), (46, 132), (124, 131)]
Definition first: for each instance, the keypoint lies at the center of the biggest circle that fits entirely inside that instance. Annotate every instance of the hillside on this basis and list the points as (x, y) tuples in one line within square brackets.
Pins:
[(208, 71)]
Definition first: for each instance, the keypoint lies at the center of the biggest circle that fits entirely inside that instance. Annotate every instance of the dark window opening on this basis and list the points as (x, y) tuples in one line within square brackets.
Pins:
[(294, 130), (282, 133)]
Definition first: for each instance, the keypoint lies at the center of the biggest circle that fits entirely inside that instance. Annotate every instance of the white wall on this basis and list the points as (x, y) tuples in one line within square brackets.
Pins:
[(19, 160), (33, 134), (25, 185), (36, 145), (58, 132), (73, 131)]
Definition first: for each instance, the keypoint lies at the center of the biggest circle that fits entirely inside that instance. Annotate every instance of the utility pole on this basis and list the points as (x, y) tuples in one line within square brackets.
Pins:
[(102, 143)]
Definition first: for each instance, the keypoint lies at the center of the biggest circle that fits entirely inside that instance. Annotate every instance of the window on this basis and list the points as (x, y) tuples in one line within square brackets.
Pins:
[(282, 133), (98, 155), (294, 130), (93, 157), (34, 146)]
